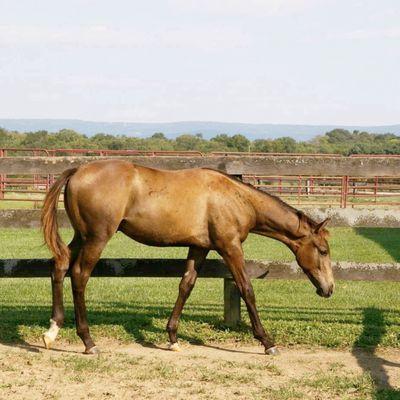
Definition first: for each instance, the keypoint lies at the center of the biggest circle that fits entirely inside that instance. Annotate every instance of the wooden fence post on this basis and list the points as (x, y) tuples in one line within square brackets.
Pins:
[(2, 185), (2, 177), (231, 303)]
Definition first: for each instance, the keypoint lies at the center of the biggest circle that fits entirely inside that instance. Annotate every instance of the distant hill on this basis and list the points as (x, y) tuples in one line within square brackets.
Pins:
[(173, 129)]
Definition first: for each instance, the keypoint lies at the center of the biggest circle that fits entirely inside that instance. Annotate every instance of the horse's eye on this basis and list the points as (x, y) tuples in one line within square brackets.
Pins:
[(323, 252)]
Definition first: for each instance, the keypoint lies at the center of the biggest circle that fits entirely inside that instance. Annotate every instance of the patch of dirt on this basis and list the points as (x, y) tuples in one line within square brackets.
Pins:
[(196, 372)]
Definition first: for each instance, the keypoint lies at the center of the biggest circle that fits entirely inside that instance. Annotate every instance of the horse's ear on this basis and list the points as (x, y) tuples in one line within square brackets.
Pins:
[(322, 225)]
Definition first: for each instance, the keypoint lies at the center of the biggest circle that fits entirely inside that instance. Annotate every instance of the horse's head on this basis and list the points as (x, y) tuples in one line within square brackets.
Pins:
[(313, 256)]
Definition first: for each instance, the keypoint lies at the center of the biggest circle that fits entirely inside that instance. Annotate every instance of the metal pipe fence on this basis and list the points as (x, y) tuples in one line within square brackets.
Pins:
[(299, 190), (330, 191)]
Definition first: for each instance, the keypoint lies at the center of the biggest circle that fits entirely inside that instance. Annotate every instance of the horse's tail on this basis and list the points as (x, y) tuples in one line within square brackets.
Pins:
[(49, 223)]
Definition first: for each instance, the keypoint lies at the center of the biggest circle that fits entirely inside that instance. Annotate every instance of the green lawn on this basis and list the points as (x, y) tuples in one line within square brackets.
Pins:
[(359, 313), (347, 244), (137, 309)]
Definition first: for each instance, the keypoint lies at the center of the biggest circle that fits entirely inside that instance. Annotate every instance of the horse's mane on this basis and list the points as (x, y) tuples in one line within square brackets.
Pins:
[(277, 199)]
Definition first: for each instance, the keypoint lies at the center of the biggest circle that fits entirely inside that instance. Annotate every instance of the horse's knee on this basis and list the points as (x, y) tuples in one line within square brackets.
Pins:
[(172, 326), (79, 280)]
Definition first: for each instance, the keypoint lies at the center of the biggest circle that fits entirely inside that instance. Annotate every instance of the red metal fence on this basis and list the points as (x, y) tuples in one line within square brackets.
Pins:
[(301, 190), (329, 191), (29, 189)]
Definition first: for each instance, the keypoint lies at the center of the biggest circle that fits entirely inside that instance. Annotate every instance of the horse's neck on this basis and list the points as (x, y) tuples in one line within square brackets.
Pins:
[(274, 218)]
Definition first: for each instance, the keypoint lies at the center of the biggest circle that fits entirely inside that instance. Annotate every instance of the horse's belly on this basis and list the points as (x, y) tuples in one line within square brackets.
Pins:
[(165, 231)]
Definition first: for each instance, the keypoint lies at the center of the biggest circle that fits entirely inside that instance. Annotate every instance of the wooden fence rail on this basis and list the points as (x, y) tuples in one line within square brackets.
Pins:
[(167, 268)]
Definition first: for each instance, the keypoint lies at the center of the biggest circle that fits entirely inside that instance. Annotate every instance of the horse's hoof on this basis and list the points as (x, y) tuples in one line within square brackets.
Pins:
[(174, 346), (272, 351), (92, 351), (47, 341)]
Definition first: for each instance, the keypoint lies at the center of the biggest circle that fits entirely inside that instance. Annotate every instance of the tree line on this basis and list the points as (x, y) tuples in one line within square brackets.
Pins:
[(339, 141)]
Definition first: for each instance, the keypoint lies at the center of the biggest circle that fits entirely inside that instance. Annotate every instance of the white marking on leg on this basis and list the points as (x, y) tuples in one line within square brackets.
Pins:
[(50, 336), (174, 346)]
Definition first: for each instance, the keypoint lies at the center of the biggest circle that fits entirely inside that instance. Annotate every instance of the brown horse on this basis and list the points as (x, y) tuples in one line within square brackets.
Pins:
[(202, 209)]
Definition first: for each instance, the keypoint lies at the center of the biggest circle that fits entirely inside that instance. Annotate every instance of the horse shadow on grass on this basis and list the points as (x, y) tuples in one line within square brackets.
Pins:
[(387, 238), (374, 328), (136, 320), (141, 321)]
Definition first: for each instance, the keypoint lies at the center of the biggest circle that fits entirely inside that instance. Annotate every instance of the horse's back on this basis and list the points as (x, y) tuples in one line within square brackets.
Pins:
[(153, 206)]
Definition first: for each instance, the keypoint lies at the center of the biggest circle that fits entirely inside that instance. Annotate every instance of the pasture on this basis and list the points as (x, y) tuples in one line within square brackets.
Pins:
[(360, 322), (347, 244), (136, 309)]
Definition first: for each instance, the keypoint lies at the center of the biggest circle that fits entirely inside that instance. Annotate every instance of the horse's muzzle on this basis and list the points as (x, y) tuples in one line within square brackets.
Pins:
[(325, 293)]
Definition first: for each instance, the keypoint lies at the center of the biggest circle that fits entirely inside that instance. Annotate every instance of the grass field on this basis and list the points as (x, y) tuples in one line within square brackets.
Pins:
[(136, 309), (125, 310), (360, 313), (347, 244)]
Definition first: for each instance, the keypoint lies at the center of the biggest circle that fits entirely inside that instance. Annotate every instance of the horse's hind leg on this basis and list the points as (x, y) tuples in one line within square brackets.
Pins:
[(80, 274), (195, 259), (58, 272)]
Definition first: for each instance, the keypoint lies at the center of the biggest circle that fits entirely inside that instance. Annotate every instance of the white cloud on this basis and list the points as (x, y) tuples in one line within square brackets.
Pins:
[(385, 33), (102, 36), (241, 7)]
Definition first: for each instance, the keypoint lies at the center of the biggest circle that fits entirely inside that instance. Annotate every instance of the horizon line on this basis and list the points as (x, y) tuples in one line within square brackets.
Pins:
[(201, 121)]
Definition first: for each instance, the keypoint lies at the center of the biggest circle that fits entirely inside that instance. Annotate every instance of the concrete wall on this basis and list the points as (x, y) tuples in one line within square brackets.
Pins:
[(350, 217), (287, 165), (357, 217)]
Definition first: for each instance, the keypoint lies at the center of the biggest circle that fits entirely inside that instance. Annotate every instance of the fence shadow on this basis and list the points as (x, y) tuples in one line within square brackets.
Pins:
[(387, 238), (374, 328), (138, 322)]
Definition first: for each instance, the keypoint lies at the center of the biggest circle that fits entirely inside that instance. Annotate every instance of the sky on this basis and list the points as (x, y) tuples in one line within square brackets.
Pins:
[(253, 61)]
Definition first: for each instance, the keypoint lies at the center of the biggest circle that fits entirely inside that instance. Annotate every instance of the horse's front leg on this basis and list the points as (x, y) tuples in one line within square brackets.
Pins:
[(234, 259), (194, 261)]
